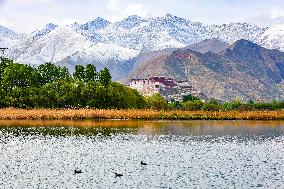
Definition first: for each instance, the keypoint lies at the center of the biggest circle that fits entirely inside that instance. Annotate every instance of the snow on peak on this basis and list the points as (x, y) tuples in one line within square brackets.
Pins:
[(51, 26), (172, 18), (166, 41), (104, 52), (133, 18), (48, 28), (98, 23), (5, 32), (54, 46), (130, 22), (8, 38), (274, 37), (102, 41)]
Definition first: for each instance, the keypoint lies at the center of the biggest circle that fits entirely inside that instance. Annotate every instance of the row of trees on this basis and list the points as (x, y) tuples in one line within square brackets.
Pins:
[(191, 103), (23, 75), (52, 86)]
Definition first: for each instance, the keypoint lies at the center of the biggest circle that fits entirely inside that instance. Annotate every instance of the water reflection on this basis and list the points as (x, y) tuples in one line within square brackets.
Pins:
[(149, 128), (180, 154)]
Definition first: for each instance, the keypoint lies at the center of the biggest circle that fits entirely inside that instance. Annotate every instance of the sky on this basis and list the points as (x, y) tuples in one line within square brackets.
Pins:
[(28, 15)]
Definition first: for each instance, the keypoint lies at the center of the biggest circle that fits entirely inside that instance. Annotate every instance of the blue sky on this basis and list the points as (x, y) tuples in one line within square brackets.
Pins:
[(28, 15)]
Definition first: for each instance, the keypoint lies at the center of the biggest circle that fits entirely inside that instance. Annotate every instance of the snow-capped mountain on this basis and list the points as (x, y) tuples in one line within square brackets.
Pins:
[(170, 31), (98, 23), (114, 44), (5, 32), (102, 55), (273, 37), (47, 29), (7, 37), (230, 33)]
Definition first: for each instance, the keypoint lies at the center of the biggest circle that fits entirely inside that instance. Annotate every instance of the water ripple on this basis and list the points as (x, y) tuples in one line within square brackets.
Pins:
[(38, 160)]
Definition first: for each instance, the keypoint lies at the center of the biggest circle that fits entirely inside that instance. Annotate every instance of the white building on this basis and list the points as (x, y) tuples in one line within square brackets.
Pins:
[(167, 87)]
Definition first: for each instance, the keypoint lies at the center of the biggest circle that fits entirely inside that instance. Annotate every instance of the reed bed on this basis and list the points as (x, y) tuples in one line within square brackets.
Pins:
[(69, 114)]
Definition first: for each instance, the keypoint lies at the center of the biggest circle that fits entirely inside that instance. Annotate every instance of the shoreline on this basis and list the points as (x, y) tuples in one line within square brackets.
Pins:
[(99, 114)]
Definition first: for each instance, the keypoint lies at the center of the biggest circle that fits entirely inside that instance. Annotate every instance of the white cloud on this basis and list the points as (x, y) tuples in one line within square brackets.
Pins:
[(136, 9), (4, 22), (113, 5), (29, 15), (276, 13), (118, 12)]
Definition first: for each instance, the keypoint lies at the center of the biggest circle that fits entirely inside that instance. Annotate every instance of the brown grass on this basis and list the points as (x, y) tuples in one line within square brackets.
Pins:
[(48, 114)]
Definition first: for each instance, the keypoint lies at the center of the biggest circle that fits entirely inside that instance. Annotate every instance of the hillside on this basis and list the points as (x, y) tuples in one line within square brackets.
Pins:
[(208, 45), (243, 70)]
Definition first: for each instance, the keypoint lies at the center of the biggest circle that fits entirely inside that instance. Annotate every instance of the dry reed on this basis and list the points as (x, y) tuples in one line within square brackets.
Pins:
[(49, 114)]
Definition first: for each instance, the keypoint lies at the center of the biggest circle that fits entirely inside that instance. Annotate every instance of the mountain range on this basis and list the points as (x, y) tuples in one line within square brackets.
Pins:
[(226, 61)]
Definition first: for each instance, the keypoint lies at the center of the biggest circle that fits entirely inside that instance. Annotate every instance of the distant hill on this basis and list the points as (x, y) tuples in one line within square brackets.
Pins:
[(244, 70), (209, 45)]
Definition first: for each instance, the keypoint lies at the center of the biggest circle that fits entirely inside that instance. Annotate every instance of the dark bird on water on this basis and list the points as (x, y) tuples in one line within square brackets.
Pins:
[(118, 175), (143, 163), (77, 171)]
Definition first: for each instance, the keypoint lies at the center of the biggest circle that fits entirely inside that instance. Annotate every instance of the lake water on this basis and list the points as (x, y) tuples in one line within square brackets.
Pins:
[(182, 154)]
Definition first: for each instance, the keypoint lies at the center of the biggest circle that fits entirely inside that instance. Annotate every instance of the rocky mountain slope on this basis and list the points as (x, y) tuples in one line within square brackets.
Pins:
[(244, 70), (209, 45)]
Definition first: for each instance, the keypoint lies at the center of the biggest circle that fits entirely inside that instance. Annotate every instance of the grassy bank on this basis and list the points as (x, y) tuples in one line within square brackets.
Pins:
[(47, 114)]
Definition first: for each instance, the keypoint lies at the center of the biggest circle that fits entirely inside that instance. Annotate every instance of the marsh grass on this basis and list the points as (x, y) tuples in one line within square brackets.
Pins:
[(68, 114)]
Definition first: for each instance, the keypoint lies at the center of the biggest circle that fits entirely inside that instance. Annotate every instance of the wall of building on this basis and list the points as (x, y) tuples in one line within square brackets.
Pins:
[(167, 87)]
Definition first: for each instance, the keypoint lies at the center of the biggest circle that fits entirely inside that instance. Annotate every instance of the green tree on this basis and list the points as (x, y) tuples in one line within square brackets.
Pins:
[(156, 101), (125, 97), (212, 105), (60, 94), (91, 72), (105, 77), (50, 72), (192, 105), (189, 98), (4, 63), (51, 86), (20, 75), (236, 104), (66, 94), (80, 73)]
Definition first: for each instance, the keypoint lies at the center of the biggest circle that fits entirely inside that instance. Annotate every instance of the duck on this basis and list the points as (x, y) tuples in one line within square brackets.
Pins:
[(143, 163), (77, 171), (118, 175)]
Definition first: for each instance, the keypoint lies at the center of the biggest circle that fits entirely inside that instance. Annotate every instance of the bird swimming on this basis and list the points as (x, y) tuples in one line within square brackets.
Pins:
[(143, 163), (77, 171), (118, 175)]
